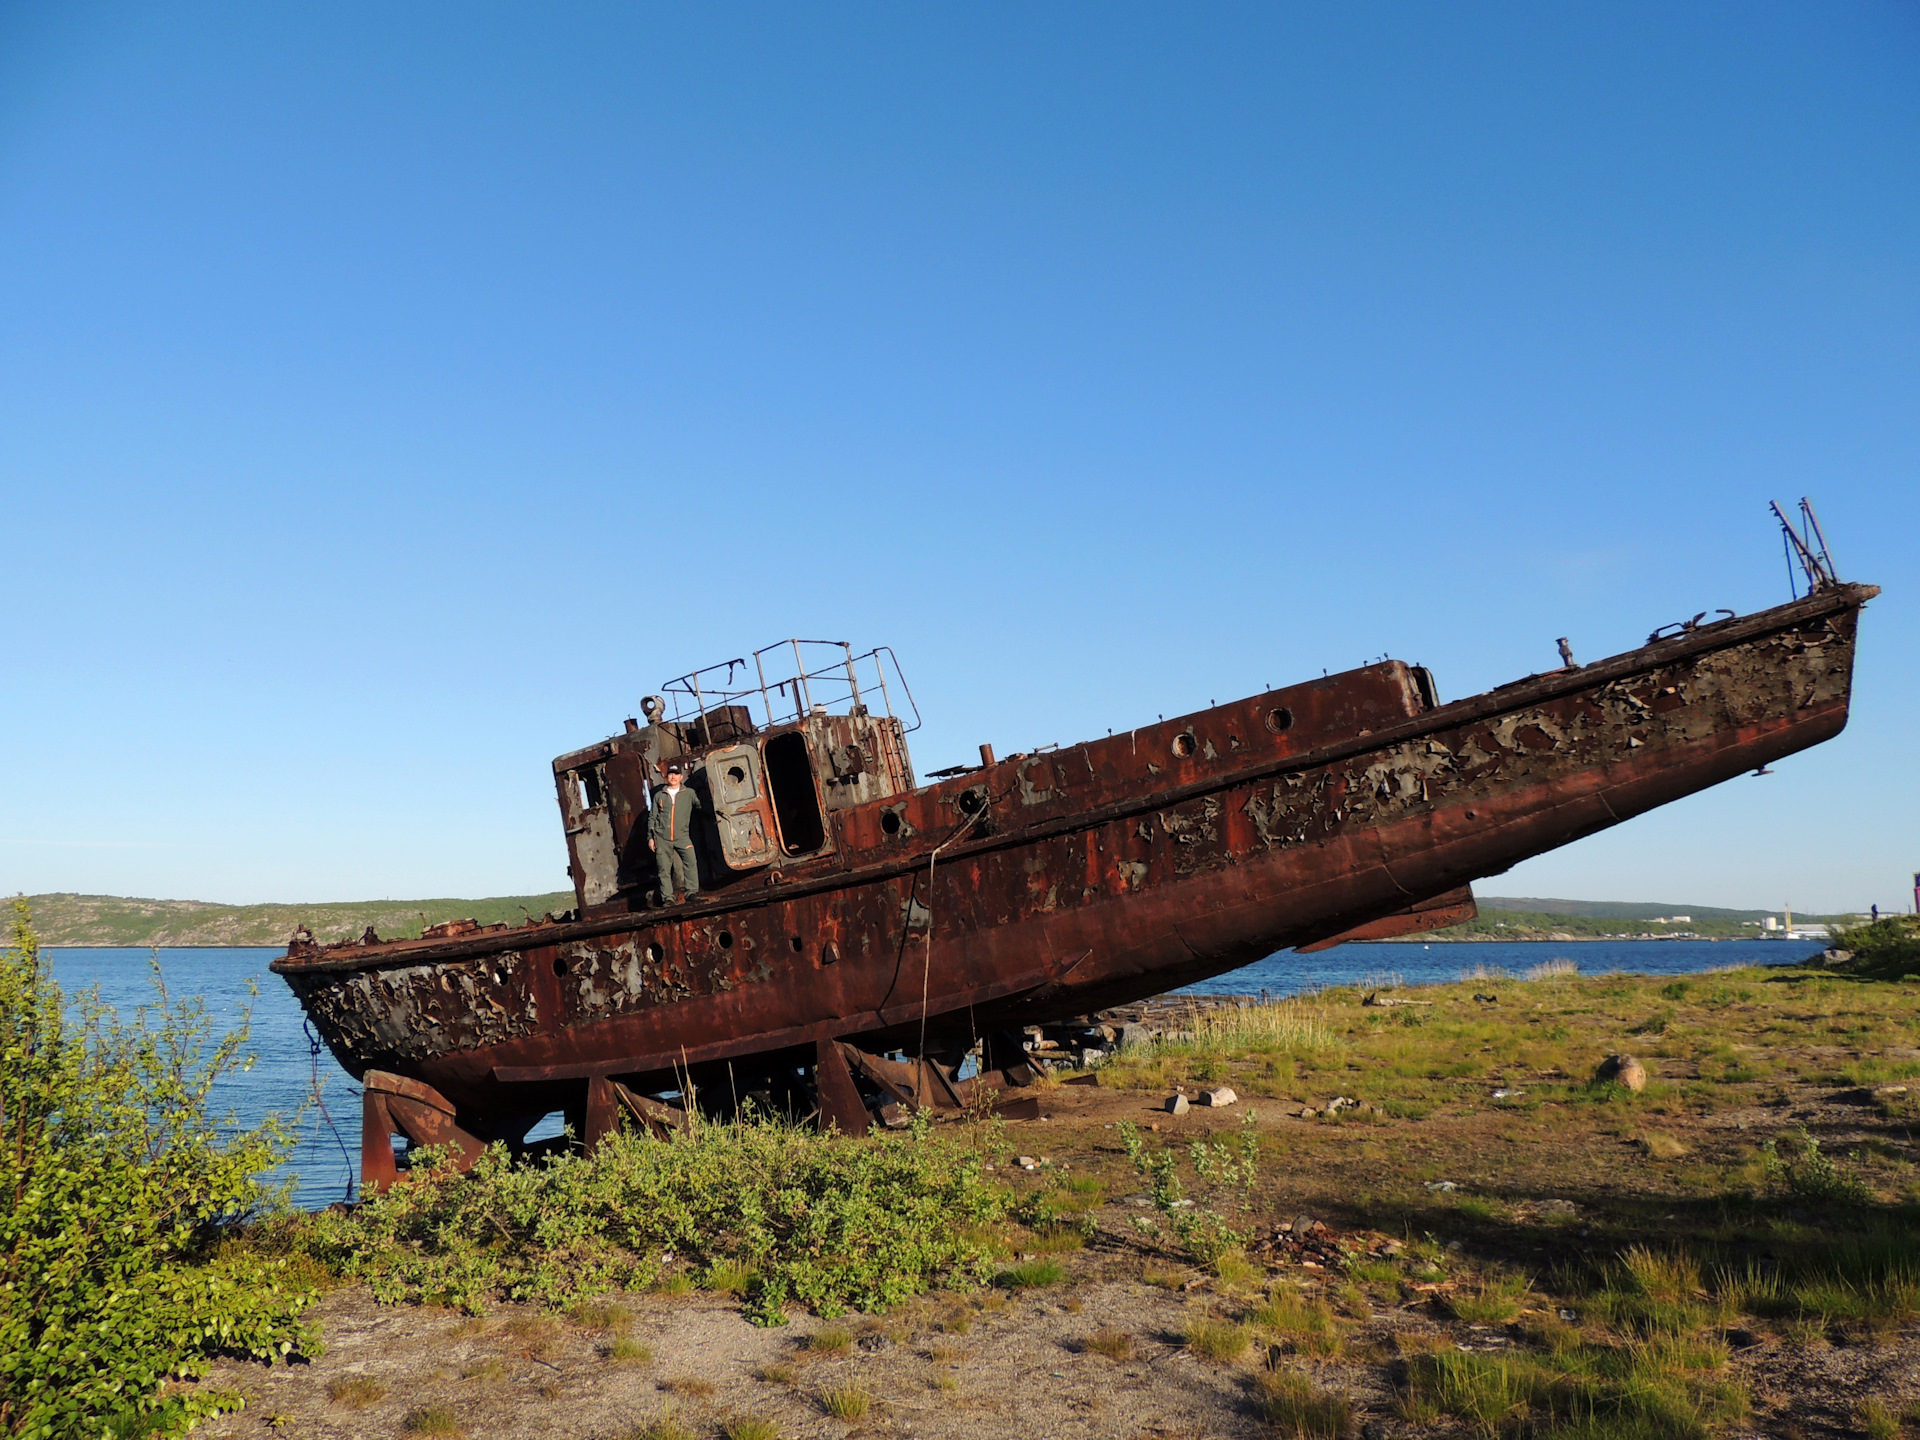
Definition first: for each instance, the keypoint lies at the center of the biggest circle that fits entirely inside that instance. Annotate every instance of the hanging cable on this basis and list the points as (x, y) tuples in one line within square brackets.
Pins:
[(926, 968), (313, 1055)]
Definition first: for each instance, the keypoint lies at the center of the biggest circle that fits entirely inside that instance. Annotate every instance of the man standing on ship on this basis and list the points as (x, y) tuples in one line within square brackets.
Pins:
[(670, 836)]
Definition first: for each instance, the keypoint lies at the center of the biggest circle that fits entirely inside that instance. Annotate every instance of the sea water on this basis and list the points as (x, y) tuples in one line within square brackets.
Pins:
[(296, 1077)]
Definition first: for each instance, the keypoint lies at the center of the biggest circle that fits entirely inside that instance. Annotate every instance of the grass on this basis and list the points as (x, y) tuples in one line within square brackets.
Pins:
[(1116, 1345), (1298, 1408), (729, 1277), (1878, 1420), (1303, 1325), (1646, 1392), (491, 1368), (1233, 1268), (1491, 1302), (355, 1392), (625, 1350), (665, 1426), (1031, 1274), (778, 1373), (533, 1335), (749, 1427), (846, 1402), (601, 1316), (431, 1420), (830, 1341), (1055, 1240), (691, 1386), (1218, 1341)]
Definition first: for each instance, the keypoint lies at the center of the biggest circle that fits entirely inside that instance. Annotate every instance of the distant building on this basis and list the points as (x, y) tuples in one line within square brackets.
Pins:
[(1770, 924)]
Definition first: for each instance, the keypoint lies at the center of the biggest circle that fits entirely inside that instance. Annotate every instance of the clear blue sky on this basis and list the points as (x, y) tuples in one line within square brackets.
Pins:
[(391, 395)]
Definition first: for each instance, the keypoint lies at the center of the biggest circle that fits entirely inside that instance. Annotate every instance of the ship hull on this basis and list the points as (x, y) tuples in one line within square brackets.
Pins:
[(1054, 885)]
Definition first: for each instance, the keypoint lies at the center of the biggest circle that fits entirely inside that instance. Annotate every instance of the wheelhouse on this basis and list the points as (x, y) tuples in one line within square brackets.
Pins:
[(825, 738)]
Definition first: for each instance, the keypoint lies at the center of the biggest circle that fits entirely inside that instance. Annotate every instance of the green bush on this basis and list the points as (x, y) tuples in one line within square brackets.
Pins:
[(1812, 1175), (1225, 1174), (119, 1191), (827, 1222), (1885, 950)]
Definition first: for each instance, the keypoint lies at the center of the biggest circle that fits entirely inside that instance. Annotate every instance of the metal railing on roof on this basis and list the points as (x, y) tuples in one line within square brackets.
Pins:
[(792, 680)]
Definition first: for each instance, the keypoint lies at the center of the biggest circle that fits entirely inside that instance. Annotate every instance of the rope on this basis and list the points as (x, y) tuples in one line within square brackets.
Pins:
[(926, 968), (313, 1055)]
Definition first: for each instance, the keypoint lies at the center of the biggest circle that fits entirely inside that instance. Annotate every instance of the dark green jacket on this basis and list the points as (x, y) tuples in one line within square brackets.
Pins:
[(683, 806)]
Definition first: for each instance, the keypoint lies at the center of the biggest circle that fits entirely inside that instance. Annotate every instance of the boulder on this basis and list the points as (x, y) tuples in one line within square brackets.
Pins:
[(1176, 1104), (1218, 1098), (1134, 1037), (1624, 1070)]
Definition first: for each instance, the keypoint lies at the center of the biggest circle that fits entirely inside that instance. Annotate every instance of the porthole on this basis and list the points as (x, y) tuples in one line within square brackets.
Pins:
[(500, 977), (1279, 718), (726, 939), (890, 821), (737, 774), (559, 964), (798, 944), (972, 802), (654, 952), (1183, 744)]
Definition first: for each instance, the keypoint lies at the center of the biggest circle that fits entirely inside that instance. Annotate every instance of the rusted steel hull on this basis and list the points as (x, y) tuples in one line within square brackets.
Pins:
[(1052, 885)]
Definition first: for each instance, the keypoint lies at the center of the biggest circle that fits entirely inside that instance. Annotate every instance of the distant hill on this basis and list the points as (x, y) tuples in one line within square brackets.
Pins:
[(117, 920), (1504, 917), (1616, 909)]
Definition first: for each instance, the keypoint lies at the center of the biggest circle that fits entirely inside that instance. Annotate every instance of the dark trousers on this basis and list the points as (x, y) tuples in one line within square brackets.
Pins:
[(674, 861)]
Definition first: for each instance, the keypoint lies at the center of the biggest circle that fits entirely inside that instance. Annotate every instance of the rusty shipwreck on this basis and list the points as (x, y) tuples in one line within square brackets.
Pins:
[(861, 935)]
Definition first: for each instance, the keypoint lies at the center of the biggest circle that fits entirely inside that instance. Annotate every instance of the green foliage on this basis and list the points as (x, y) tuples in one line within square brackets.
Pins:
[(121, 1188), (1886, 950), (793, 1216), (1225, 1172), (1812, 1175)]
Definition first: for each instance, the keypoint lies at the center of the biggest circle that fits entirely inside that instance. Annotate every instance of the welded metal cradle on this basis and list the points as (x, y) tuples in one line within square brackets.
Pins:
[(1027, 890)]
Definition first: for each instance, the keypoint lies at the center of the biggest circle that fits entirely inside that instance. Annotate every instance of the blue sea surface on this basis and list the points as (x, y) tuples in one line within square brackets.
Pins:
[(288, 1068), (1414, 962)]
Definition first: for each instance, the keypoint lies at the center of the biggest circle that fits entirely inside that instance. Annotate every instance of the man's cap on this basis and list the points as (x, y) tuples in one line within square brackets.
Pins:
[(673, 767)]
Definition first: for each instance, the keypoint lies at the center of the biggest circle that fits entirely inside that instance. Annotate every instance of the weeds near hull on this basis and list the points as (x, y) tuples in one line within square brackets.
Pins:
[(784, 1213)]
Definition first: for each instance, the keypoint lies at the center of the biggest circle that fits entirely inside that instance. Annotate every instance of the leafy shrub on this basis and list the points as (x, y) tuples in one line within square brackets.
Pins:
[(1811, 1174), (1885, 950), (828, 1222), (115, 1278), (1225, 1173)]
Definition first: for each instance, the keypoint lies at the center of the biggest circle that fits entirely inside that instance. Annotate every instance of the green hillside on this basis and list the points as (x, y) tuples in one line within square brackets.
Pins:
[(117, 920), (1509, 918)]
